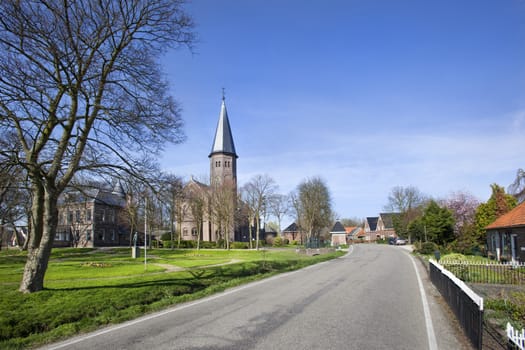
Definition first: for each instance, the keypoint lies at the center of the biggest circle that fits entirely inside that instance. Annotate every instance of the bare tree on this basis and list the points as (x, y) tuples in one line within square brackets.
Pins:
[(223, 206), (315, 205), (279, 207), (249, 204), (407, 201), (14, 199), (517, 188), (352, 222), (173, 196), (257, 192), (197, 200), (81, 87)]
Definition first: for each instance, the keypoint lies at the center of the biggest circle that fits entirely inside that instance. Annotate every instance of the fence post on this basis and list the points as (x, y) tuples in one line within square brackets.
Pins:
[(515, 337)]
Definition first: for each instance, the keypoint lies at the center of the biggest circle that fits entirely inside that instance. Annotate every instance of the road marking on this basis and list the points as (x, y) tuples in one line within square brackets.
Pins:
[(432, 342), (178, 308)]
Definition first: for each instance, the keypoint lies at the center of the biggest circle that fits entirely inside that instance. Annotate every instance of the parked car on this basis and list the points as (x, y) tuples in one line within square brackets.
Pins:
[(401, 241)]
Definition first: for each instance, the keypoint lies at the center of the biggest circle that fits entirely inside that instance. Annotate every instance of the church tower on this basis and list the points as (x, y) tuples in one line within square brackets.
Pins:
[(223, 158)]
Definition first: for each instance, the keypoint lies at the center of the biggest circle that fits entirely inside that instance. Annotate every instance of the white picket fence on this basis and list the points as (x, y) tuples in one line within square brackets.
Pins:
[(515, 336)]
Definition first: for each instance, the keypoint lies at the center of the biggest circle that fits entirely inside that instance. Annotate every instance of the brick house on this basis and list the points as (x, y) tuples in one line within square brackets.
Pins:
[(385, 225), (92, 218), (380, 227), (338, 234), (506, 236), (293, 233), (371, 228)]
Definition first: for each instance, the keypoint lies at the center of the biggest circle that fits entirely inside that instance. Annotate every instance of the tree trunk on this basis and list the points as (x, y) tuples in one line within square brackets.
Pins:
[(250, 234), (257, 231), (45, 220)]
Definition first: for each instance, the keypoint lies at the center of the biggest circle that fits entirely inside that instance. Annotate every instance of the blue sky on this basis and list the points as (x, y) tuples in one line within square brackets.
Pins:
[(366, 94)]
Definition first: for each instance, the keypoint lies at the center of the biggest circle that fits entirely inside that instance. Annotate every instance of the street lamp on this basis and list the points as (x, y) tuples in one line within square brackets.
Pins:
[(145, 231)]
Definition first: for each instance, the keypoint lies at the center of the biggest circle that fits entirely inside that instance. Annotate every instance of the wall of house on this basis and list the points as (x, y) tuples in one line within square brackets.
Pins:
[(75, 225), (502, 239), (90, 224), (338, 239)]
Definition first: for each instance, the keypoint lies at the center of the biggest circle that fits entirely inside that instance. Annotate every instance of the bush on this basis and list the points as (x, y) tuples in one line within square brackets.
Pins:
[(428, 248), (239, 245), (278, 242), (166, 236), (188, 244), (294, 242), (208, 245)]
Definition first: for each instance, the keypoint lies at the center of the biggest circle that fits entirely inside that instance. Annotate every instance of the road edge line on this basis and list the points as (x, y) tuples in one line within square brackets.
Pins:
[(431, 335)]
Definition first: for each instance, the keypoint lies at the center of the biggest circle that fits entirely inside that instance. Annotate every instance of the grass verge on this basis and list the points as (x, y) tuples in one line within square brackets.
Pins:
[(87, 289)]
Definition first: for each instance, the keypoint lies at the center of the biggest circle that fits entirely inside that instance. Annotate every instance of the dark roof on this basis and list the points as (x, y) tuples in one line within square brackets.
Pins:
[(92, 195), (223, 140), (388, 219), (338, 228), (372, 222), (514, 218), (292, 228)]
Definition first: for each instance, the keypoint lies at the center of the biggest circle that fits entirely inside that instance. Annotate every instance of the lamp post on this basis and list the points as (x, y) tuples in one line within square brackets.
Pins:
[(145, 231)]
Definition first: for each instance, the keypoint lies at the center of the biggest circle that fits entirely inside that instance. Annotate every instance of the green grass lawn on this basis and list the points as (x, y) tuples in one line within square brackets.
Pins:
[(86, 288)]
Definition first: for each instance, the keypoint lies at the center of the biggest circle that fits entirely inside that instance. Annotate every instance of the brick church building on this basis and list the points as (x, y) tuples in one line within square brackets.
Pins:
[(210, 224)]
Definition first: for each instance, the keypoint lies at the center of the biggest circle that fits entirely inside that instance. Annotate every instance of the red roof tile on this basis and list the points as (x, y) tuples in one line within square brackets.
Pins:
[(515, 217), (349, 229)]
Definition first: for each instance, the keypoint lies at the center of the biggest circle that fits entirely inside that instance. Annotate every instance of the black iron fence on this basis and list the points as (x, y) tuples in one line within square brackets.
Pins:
[(466, 305), (486, 272)]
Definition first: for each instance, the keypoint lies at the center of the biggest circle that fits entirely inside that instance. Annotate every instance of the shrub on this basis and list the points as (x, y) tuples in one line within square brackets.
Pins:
[(208, 245), (428, 248), (278, 242), (239, 245), (188, 244), (166, 236)]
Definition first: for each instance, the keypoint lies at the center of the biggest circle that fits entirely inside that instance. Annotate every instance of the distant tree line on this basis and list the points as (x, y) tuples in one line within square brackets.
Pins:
[(456, 223)]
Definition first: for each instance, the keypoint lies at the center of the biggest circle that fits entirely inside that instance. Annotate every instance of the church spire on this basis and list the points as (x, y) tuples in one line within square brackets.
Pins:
[(223, 140)]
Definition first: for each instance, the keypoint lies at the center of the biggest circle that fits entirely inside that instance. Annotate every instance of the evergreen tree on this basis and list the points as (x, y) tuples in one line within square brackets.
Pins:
[(438, 224), (498, 204)]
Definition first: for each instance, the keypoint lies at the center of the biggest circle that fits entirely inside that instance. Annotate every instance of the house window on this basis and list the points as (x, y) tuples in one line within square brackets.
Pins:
[(88, 214), (112, 235), (194, 231), (185, 232), (110, 216), (77, 216), (69, 217), (101, 235)]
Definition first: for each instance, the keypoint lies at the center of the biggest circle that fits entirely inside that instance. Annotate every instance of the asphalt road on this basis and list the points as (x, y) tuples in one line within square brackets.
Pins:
[(372, 298)]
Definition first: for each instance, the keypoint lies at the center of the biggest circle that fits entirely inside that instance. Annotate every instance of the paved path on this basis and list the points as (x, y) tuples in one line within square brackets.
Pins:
[(372, 298)]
